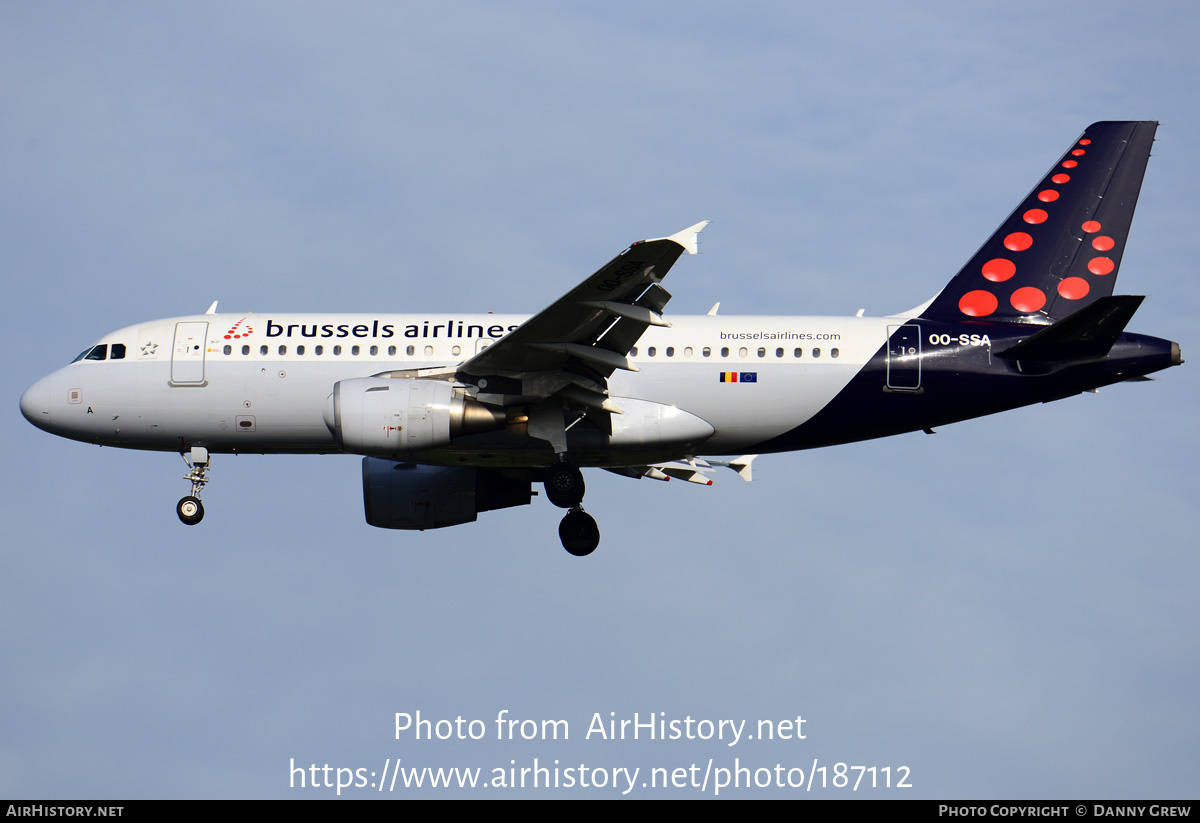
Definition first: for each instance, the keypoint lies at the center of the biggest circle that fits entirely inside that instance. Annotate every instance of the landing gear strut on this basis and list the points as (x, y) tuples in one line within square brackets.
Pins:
[(190, 509), (564, 487)]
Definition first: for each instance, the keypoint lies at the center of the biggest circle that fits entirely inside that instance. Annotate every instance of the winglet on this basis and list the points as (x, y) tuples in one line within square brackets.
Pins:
[(213, 308), (741, 465), (689, 238)]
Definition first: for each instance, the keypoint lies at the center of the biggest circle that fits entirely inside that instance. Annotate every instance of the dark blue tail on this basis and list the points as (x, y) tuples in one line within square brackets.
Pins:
[(1061, 249)]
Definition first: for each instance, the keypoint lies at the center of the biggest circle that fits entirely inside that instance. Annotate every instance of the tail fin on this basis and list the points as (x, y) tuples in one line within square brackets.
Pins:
[(1061, 249)]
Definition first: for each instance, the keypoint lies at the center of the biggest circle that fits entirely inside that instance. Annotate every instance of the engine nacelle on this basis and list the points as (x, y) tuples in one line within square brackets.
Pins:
[(385, 416), (412, 496)]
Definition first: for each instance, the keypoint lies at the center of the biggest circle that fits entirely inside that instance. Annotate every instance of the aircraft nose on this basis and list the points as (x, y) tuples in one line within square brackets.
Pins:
[(35, 403)]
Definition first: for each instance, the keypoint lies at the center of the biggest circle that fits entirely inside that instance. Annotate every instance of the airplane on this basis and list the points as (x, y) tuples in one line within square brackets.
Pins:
[(459, 414)]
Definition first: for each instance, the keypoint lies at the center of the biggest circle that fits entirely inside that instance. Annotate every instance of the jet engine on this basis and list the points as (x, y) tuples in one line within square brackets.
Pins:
[(412, 496), (387, 416)]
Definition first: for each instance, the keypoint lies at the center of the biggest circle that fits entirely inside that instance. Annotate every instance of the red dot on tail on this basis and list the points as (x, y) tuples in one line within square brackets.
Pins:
[(1079, 152), (1060, 178), (1028, 299), (1048, 196), (1091, 227), (999, 269), (226, 337), (1018, 241), (1085, 142), (978, 303), (1069, 164), (1103, 243), (1101, 265), (1035, 216), (1074, 288)]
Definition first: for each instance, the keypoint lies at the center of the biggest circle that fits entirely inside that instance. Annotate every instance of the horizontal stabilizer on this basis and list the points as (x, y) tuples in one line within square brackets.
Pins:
[(1087, 334)]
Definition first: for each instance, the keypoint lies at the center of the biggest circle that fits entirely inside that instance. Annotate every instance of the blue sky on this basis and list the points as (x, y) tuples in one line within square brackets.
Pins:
[(1006, 608)]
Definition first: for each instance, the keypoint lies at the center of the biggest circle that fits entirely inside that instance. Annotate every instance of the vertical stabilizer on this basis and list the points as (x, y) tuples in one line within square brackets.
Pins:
[(1061, 249)]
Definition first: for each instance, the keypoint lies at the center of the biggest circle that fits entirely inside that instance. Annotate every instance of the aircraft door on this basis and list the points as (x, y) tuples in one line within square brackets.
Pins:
[(187, 354), (904, 357)]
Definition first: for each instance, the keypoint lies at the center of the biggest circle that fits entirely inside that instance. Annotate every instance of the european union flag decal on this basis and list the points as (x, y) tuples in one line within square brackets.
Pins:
[(739, 377), (748, 377)]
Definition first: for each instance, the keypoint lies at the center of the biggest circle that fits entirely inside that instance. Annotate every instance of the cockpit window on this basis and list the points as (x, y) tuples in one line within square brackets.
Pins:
[(97, 353), (118, 351)]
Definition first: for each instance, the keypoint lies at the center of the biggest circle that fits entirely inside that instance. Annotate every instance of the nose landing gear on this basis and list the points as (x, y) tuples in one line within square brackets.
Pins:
[(190, 509), (564, 488)]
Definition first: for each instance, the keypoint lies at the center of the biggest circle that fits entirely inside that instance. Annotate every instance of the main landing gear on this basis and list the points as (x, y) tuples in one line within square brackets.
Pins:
[(578, 530), (190, 509)]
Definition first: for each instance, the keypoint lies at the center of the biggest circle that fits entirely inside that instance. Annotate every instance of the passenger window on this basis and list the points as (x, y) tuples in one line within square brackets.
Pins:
[(762, 352), (706, 351), (318, 349), (375, 350), (428, 351), (354, 350), (650, 352), (725, 351), (283, 349), (245, 350), (228, 349), (457, 350), (300, 350), (337, 350), (779, 352), (410, 351), (263, 350), (816, 352), (687, 351), (743, 352), (799, 352), (118, 351), (834, 352), (391, 351), (633, 352), (670, 351)]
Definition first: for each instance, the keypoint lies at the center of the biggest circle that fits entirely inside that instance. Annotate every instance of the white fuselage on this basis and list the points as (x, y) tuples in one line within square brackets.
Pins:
[(260, 383)]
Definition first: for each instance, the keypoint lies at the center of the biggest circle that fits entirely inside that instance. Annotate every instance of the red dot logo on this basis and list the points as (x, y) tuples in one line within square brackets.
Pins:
[(1061, 178), (978, 303), (1101, 265), (1079, 152), (1085, 142), (1103, 243), (1018, 241), (1028, 299), (999, 269), (1091, 227), (1049, 195), (1069, 164), (1035, 216), (1074, 288)]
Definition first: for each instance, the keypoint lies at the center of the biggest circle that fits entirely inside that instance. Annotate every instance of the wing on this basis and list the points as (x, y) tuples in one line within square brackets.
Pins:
[(569, 349), (692, 469)]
